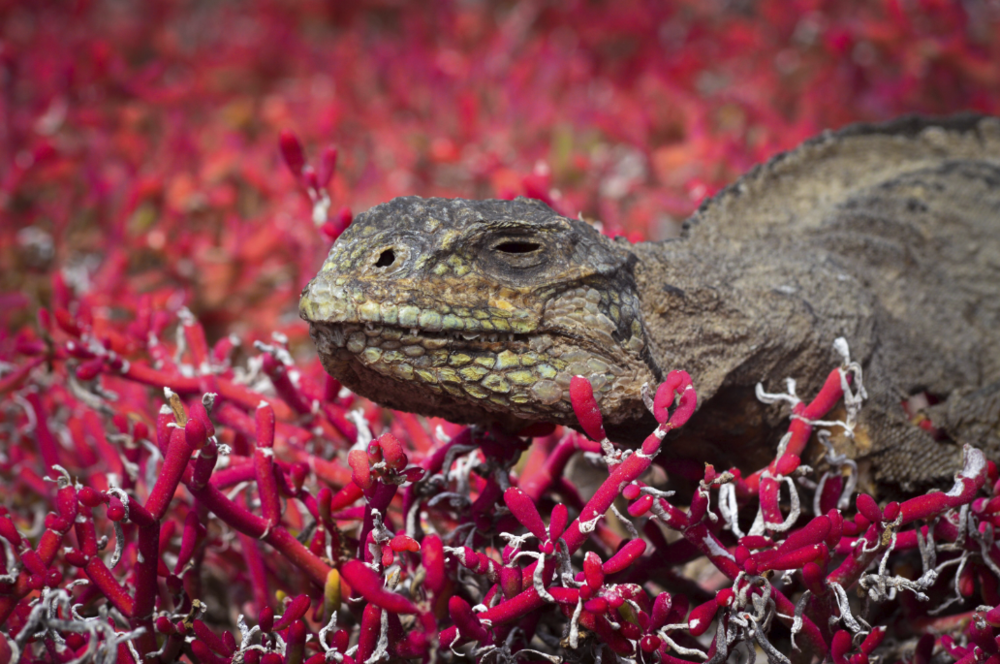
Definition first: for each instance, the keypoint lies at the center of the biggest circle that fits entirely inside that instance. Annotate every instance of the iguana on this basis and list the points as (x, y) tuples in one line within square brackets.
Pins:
[(885, 234)]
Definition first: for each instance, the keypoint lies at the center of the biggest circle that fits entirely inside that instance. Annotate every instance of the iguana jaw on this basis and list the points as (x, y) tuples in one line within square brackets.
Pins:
[(474, 376)]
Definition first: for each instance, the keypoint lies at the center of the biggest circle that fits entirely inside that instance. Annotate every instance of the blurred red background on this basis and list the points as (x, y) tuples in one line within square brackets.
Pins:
[(139, 140)]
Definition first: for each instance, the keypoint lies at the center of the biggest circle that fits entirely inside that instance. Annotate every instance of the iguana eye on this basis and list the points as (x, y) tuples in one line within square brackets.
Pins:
[(517, 247), (520, 253)]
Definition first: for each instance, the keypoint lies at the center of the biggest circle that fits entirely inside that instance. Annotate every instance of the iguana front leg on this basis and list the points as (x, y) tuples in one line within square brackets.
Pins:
[(971, 416), (903, 457)]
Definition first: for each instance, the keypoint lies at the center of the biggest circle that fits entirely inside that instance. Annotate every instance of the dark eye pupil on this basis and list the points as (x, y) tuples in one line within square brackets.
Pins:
[(515, 247), (386, 259)]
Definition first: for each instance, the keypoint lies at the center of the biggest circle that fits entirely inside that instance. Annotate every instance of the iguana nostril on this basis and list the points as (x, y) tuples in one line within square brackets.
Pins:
[(386, 258)]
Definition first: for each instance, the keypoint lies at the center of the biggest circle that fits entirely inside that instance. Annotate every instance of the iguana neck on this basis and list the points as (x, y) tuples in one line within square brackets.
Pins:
[(729, 322), (728, 312)]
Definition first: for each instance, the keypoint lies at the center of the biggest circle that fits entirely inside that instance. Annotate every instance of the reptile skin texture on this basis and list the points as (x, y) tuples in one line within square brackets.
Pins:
[(885, 234)]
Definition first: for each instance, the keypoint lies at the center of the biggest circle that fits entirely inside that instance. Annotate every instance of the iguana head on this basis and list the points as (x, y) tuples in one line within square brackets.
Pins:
[(479, 311)]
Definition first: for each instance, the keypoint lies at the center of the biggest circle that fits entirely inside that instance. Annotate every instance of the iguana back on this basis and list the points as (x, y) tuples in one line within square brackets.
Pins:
[(888, 235)]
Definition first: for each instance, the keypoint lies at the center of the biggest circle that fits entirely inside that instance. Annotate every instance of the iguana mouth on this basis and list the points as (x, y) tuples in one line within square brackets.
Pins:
[(392, 337), (499, 369), (471, 337)]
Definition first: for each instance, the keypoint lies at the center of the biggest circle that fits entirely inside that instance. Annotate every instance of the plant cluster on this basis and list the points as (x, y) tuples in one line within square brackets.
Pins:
[(180, 481), (276, 503)]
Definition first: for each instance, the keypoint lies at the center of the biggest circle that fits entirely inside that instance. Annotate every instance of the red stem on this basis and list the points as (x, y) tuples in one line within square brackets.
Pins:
[(101, 577), (47, 445), (624, 473), (147, 558), (178, 455), (256, 569), (263, 462), (537, 483)]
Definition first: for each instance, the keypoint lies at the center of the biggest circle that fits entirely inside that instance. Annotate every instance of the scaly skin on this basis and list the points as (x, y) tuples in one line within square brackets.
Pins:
[(887, 235)]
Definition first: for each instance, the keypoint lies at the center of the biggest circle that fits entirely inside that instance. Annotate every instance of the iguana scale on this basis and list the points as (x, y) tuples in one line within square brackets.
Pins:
[(885, 234)]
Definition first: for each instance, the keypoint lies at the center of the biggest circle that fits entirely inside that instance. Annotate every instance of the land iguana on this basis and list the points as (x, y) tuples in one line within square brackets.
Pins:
[(885, 234)]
